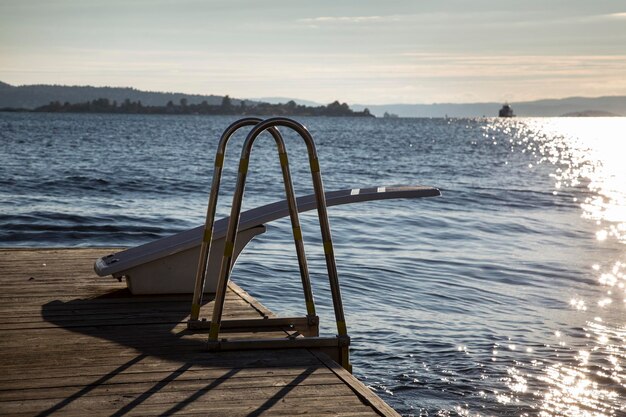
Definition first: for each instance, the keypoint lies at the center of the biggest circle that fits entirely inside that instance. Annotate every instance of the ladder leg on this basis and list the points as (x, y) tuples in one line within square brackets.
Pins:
[(229, 247), (205, 247), (297, 236)]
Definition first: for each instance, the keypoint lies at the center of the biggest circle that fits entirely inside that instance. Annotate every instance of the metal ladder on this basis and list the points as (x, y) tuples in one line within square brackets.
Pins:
[(302, 332)]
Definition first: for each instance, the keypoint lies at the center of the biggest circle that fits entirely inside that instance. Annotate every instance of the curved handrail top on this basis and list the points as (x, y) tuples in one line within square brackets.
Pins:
[(247, 121), (232, 128), (273, 123), (252, 218)]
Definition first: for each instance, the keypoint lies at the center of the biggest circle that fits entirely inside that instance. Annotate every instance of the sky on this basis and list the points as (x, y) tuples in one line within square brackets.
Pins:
[(360, 52)]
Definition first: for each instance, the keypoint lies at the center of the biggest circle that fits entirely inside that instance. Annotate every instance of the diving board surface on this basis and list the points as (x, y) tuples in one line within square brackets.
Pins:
[(168, 265)]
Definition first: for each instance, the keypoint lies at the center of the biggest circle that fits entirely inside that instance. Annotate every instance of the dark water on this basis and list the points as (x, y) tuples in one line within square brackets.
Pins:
[(504, 297)]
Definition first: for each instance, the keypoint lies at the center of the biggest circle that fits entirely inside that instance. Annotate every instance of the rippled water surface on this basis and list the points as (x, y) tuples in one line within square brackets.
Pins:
[(504, 297)]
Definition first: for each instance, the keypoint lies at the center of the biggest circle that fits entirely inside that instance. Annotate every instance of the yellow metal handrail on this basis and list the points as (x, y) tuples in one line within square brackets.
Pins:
[(210, 217), (337, 346)]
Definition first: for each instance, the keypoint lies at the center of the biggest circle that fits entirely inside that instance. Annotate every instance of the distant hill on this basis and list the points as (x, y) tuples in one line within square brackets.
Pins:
[(590, 113), (283, 100), (556, 107), (539, 108), (32, 96)]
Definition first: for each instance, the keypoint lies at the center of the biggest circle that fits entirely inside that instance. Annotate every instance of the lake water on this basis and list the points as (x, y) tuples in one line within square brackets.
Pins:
[(505, 296)]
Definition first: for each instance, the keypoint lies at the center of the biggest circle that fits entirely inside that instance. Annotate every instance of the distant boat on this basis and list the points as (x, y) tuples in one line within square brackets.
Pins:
[(506, 111)]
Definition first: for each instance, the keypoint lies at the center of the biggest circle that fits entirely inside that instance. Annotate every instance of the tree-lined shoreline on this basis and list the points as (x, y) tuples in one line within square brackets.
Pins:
[(226, 107)]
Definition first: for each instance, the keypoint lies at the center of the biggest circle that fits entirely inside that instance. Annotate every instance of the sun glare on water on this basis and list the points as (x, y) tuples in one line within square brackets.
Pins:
[(598, 154), (588, 159)]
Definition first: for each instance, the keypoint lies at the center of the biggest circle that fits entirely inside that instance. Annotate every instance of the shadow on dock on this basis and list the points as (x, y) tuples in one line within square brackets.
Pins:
[(154, 329), (73, 344)]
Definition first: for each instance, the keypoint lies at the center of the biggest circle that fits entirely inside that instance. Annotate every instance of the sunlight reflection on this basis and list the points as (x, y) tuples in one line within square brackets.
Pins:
[(594, 151), (586, 151), (578, 304), (589, 160), (572, 393)]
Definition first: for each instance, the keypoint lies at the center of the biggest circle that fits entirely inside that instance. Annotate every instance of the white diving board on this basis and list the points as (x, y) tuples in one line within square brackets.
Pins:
[(168, 265)]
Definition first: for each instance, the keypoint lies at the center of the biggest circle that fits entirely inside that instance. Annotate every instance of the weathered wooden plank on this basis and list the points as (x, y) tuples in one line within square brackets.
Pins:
[(201, 405), (193, 372), (110, 319), (357, 386), (84, 356), (173, 383), (109, 367), (99, 396)]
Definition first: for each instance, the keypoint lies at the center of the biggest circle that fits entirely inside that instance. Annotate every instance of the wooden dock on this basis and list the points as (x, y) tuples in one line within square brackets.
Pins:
[(72, 343)]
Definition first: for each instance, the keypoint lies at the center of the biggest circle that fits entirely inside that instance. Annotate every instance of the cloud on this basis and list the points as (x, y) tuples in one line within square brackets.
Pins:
[(514, 67), (616, 15), (345, 19)]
